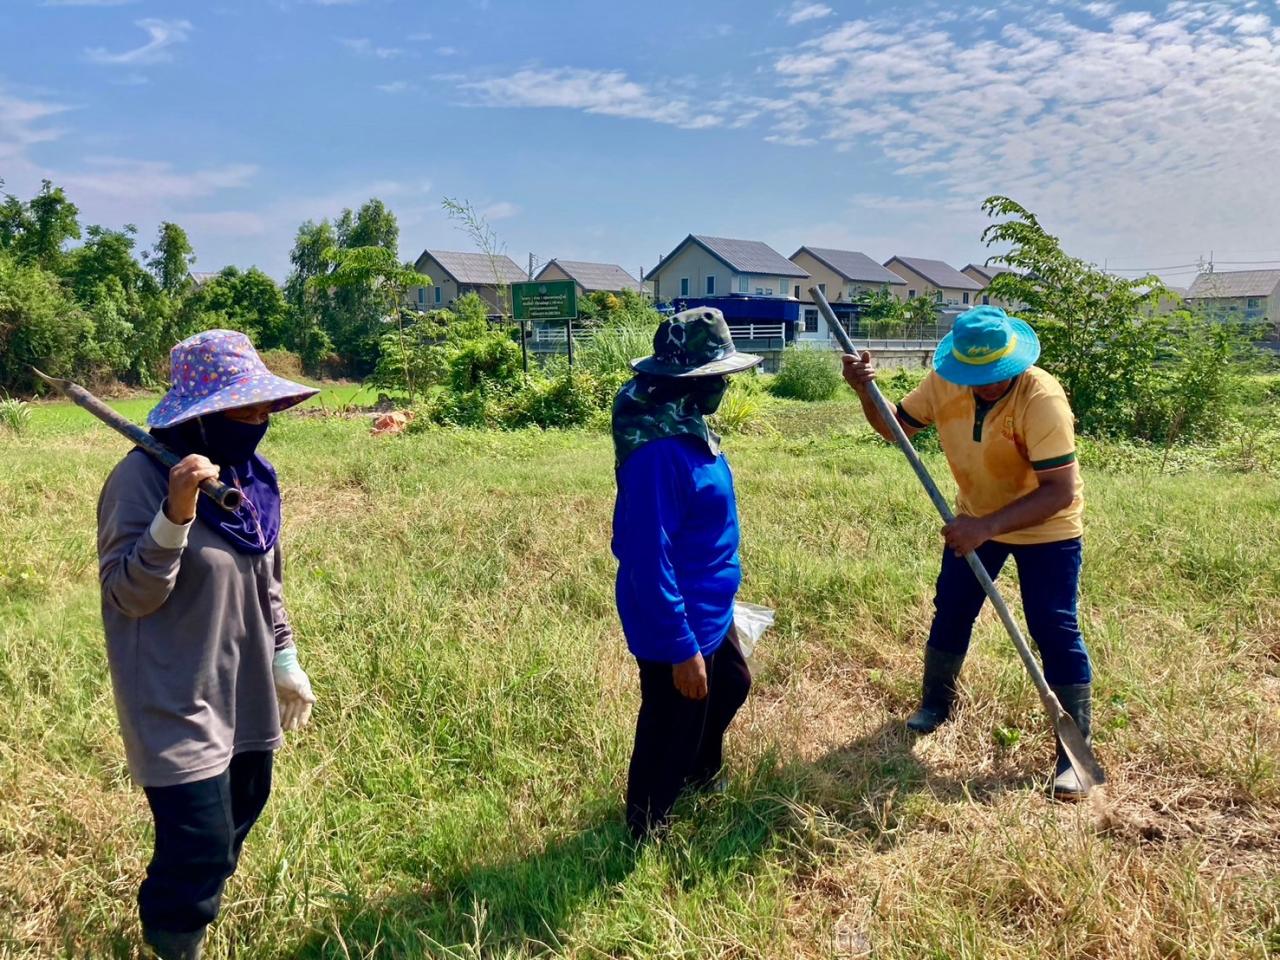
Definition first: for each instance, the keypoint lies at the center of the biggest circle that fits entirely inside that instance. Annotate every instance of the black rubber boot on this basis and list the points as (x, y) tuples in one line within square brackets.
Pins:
[(1077, 700), (938, 691), (172, 945)]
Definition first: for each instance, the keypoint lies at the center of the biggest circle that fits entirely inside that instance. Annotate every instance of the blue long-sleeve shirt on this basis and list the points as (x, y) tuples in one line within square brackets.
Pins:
[(675, 534)]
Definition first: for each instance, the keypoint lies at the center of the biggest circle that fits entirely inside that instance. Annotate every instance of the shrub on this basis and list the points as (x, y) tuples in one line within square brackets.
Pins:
[(807, 375), (488, 359), (283, 363), (564, 401), (739, 411), (14, 415)]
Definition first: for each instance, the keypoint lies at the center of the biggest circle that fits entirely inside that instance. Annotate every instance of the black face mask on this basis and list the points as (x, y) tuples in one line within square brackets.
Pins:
[(708, 392), (228, 441)]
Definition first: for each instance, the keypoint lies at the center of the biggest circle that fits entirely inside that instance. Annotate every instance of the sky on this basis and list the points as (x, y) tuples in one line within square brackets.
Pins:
[(1145, 135)]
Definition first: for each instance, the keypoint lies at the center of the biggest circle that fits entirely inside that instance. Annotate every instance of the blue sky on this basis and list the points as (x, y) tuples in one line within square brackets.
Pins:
[(1146, 135)]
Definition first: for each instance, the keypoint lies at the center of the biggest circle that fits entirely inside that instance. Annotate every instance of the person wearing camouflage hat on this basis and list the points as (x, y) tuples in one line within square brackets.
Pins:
[(675, 535)]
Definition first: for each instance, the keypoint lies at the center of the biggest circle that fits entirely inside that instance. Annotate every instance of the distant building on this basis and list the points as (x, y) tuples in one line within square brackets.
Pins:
[(199, 278), (934, 278), (591, 277), (702, 266), (1246, 295), (455, 274), (748, 281), (842, 276), (984, 274)]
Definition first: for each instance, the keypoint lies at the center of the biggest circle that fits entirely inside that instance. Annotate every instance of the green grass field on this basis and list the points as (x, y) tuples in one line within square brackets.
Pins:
[(458, 793)]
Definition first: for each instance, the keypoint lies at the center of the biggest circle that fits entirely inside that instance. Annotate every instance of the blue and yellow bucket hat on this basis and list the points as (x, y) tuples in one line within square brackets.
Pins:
[(986, 345)]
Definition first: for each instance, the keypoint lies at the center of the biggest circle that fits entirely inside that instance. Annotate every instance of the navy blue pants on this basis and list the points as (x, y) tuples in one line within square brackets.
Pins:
[(200, 828), (1050, 578)]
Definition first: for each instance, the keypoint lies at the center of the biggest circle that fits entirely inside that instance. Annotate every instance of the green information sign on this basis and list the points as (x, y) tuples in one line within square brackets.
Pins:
[(545, 300)]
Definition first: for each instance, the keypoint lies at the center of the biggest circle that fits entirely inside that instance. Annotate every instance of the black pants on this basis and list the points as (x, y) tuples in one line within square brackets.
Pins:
[(200, 828), (680, 742)]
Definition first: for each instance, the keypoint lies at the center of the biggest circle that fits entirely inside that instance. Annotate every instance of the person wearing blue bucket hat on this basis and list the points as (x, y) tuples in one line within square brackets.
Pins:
[(1008, 433), (203, 664)]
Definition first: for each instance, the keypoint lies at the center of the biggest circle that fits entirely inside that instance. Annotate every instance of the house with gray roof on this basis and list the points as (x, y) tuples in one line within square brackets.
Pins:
[(591, 277), (454, 274), (702, 266), (936, 279), (845, 275), (984, 273), (1246, 295)]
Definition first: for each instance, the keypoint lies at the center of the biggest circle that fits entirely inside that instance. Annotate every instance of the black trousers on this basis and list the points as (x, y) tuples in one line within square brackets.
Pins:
[(680, 742), (200, 828)]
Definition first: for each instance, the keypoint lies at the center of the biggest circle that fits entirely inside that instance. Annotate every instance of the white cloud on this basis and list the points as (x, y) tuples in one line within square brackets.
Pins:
[(446, 51), (25, 122), (163, 34), (1145, 125), (365, 47), (151, 181), (502, 210), (607, 92), (87, 3), (800, 12), (396, 86)]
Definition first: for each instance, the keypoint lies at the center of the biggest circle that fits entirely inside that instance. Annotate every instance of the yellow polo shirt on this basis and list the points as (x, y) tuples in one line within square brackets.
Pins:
[(995, 450)]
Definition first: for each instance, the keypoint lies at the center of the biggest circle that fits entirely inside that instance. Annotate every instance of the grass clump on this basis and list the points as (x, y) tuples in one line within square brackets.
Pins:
[(15, 415), (807, 375)]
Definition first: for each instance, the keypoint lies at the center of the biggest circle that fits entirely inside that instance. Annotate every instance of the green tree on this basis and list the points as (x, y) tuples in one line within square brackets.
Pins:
[(248, 301), (38, 231), (106, 253), (39, 324), (171, 258), (918, 313), (375, 284), (1123, 365), (13, 219), (373, 225), (881, 312), (308, 320)]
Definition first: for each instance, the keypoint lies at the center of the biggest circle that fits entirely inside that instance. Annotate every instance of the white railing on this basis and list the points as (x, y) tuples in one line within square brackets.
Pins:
[(757, 331), (560, 335), (863, 343)]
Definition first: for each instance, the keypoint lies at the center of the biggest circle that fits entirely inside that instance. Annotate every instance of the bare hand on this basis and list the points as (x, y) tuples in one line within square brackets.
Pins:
[(691, 677), (858, 371), (965, 534), (184, 486)]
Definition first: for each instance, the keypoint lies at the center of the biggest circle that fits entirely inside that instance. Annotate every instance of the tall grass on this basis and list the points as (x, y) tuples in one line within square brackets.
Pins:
[(459, 791), (15, 415), (612, 348)]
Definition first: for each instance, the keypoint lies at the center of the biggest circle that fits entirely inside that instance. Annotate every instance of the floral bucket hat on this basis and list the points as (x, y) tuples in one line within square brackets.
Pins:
[(219, 370)]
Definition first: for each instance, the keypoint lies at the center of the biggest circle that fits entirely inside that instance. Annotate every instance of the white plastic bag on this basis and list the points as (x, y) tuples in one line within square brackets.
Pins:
[(751, 621)]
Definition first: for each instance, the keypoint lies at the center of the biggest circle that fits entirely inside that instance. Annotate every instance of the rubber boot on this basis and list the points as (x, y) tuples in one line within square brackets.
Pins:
[(938, 691), (1077, 701), (172, 945)]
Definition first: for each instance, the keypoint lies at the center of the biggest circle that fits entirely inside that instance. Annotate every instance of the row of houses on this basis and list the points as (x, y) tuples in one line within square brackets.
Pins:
[(703, 266), (765, 296)]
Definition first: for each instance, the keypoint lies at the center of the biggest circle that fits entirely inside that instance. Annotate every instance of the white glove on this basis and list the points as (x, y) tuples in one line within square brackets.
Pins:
[(293, 690)]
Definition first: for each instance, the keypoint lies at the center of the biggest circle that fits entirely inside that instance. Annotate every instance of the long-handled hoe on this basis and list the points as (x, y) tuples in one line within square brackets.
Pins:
[(1078, 752)]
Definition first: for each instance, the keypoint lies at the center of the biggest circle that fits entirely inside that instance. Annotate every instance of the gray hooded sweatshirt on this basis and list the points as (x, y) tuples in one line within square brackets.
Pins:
[(192, 626)]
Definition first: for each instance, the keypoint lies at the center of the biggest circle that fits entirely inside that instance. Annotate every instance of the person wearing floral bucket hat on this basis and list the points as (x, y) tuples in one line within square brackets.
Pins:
[(1008, 434), (675, 536), (203, 663)]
